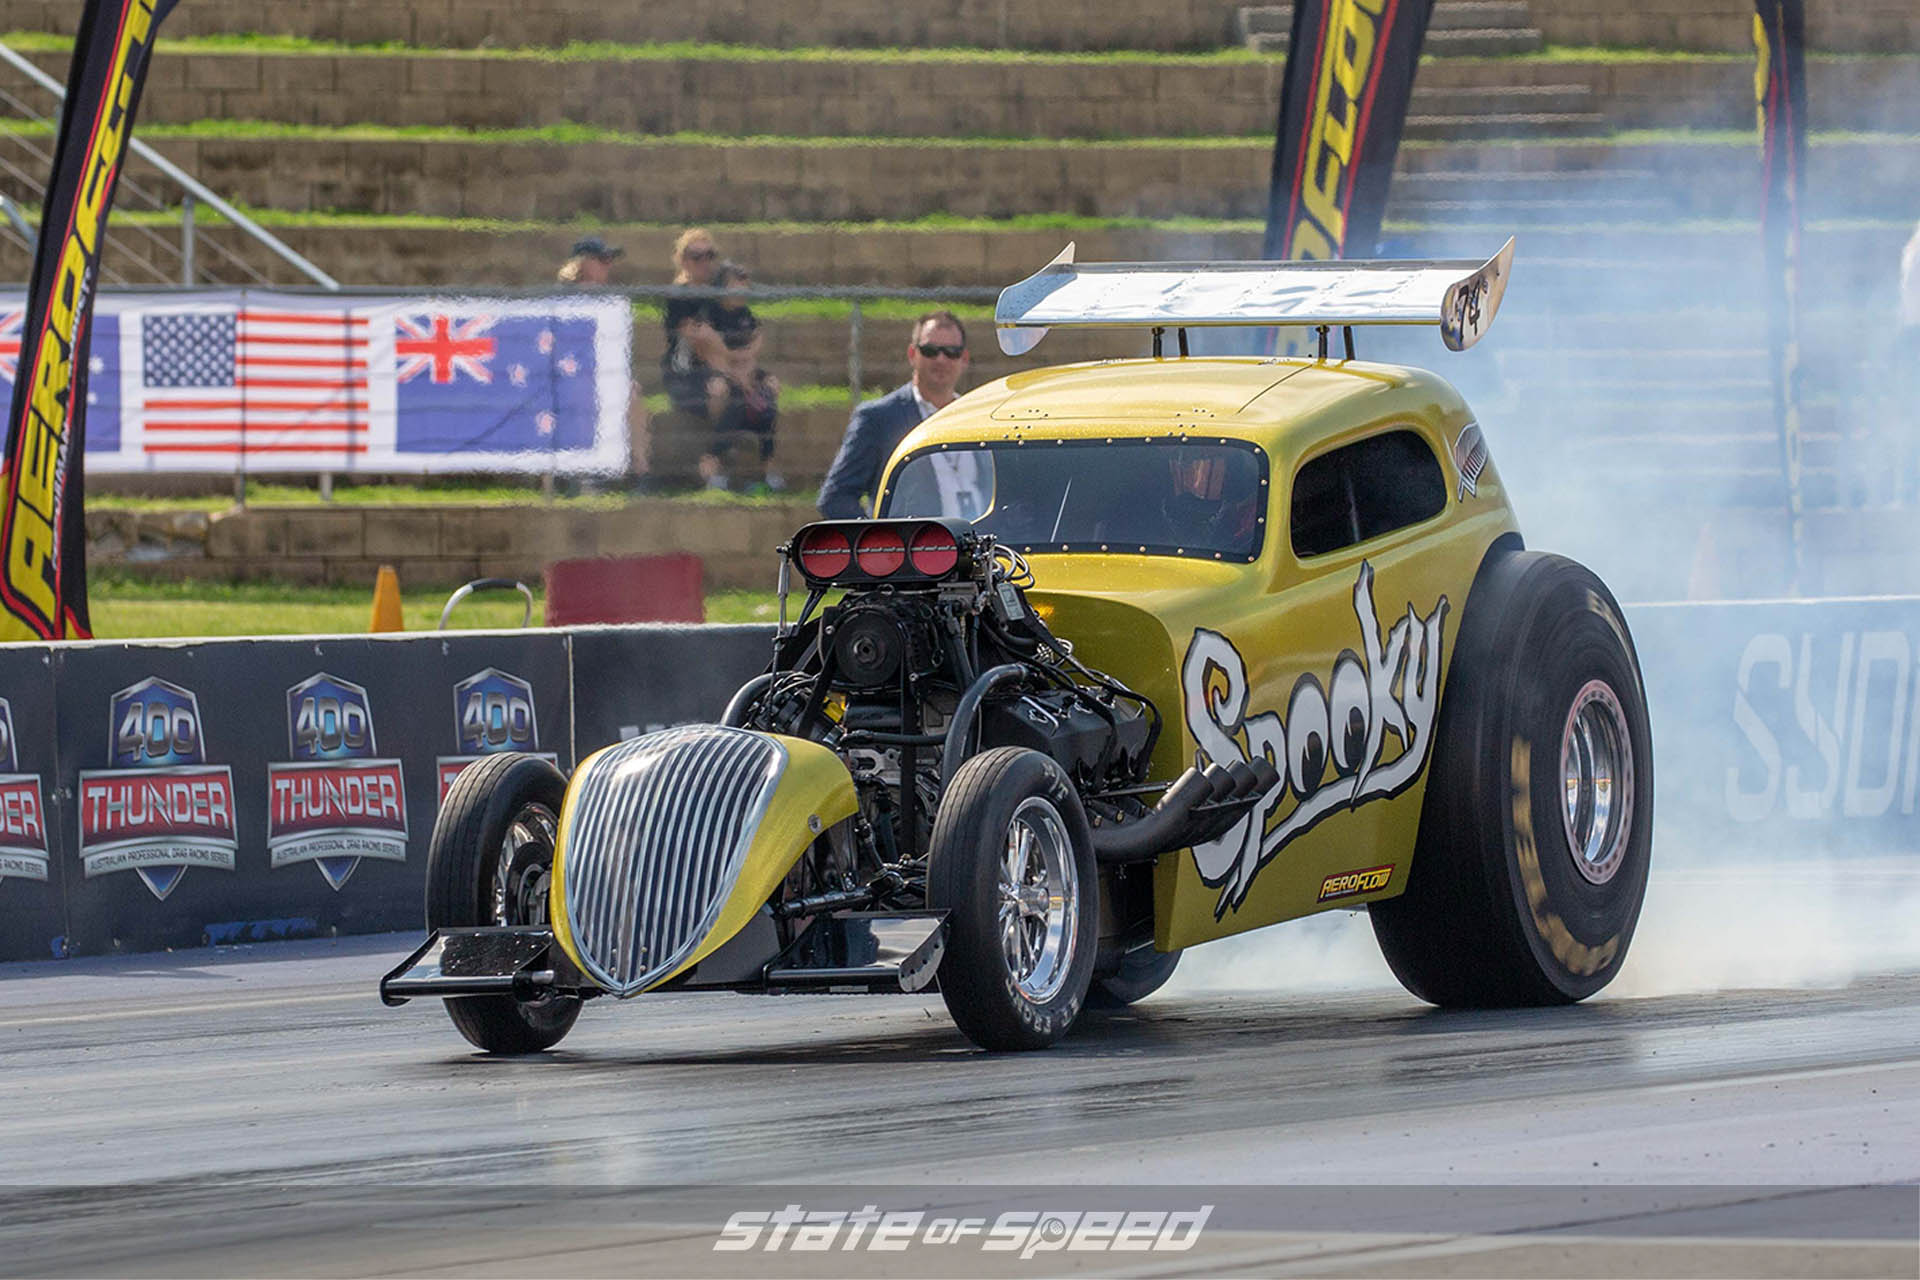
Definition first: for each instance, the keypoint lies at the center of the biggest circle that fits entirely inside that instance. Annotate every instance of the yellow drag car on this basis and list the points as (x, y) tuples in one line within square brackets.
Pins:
[(1136, 655)]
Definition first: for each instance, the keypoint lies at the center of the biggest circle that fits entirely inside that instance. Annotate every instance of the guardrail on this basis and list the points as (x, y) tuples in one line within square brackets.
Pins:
[(193, 189)]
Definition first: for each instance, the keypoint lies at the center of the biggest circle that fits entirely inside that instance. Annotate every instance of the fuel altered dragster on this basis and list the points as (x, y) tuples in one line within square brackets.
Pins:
[(1234, 641)]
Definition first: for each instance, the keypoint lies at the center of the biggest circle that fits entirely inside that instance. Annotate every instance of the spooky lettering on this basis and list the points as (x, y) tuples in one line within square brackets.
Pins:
[(1332, 747)]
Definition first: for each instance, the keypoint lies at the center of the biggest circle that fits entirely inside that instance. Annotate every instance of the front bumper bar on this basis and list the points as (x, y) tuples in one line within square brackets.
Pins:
[(851, 951)]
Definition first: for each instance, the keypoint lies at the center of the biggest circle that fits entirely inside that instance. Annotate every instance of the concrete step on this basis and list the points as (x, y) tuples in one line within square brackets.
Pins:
[(1526, 213), (1588, 288), (810, 95), (859, 180), (1072, 25), (1496, 124)]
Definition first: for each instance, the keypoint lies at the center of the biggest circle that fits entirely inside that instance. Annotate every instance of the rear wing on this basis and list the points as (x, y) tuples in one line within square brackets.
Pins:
[(1461, 297)]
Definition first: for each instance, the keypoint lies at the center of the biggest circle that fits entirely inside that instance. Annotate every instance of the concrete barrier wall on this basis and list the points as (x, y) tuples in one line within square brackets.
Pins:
[(173, 795), (152, 796)]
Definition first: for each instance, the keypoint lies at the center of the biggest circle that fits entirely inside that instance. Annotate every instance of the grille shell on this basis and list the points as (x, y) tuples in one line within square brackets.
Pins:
[(657, 834)]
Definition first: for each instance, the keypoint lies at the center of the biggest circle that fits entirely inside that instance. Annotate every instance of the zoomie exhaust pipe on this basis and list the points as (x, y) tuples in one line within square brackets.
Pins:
[(1228, 790)]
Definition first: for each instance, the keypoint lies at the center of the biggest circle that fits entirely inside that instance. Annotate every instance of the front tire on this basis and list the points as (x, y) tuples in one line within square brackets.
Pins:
[(1537, 829), (489, 864), (1012, 863)]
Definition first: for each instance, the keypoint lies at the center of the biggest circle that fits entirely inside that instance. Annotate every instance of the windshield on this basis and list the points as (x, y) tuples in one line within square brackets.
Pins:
[(1157, 497)]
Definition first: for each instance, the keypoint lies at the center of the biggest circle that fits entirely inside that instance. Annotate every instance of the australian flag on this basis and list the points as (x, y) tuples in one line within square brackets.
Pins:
[(475, 382), (103, 372)]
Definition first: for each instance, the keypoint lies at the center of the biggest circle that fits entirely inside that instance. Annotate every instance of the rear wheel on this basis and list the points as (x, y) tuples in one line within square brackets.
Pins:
[(1537, 829), (1012, 862), (1142, 972), (489, 863)]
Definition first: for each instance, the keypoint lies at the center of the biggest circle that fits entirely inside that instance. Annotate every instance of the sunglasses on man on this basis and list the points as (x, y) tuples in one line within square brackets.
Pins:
[(932, 349), (702, 255)]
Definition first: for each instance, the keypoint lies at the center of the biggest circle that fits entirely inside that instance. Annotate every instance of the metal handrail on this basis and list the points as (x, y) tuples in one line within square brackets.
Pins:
[(185, 180)]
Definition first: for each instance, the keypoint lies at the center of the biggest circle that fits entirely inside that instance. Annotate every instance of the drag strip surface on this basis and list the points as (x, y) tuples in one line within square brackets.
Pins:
[(197, 1079)]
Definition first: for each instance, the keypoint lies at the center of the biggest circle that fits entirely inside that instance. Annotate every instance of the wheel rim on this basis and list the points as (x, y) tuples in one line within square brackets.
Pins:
[(524, 868), (1039, 900), (1596, 780)]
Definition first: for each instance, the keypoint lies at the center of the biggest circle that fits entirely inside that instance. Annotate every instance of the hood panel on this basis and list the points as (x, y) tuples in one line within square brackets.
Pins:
[(654, 836)]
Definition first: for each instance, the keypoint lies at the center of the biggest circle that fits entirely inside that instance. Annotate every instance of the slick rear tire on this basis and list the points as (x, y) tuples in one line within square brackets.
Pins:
[(1143, 972), (489, 864), (1012, 863), (1536, 832)]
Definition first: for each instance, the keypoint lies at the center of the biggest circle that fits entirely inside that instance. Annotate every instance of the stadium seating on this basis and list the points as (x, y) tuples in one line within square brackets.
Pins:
[(836, 142)]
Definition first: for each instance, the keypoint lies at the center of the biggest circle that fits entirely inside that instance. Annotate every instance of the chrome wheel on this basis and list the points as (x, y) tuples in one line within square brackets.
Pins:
[(524, 868), (1596, 778), (1039, 900)]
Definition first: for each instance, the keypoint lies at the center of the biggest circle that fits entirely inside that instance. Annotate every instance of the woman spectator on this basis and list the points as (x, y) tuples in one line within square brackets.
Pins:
[(693, 348)]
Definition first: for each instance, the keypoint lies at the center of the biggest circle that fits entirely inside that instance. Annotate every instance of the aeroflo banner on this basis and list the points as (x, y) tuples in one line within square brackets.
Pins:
[(1780, 90), (43, 587), (240, 380), (1343, 104)]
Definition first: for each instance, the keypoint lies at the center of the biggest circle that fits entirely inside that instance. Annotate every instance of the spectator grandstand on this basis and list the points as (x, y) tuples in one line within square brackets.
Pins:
[(862, 142)]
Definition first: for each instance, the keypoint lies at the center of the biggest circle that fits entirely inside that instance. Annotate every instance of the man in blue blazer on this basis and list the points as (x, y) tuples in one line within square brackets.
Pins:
[(937, 353)]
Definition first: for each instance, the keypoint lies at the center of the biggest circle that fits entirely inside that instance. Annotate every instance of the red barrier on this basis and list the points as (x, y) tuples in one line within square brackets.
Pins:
[(625, 589)]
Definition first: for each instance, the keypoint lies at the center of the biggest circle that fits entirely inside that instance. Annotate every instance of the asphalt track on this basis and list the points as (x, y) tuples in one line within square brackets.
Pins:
[(256, 1111)]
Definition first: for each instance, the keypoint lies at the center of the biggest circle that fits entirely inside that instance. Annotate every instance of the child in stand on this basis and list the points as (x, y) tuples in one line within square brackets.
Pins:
[(743, 404)]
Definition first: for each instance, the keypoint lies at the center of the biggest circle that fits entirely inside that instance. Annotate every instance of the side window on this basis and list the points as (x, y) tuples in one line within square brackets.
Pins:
[(1364, 490)]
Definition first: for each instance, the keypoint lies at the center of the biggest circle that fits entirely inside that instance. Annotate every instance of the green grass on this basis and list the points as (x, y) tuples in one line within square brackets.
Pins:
[(135, 609), (664, 51), (572, 134), (792, 399)]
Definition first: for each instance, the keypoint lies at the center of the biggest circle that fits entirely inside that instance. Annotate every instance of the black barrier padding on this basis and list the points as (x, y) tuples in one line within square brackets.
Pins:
[(633, 680), (33, 921), (240, 698), (1783, 728)]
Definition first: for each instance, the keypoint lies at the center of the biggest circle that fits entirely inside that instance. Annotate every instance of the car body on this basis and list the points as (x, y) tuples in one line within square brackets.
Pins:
[(1232, 649), (1135, 655)]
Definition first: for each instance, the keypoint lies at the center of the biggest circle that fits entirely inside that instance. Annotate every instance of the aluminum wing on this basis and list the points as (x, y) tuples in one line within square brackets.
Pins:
[(1461, 297)]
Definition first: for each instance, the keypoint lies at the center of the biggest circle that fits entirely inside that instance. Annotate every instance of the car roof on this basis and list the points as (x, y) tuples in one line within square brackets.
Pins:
[(1281, 404)]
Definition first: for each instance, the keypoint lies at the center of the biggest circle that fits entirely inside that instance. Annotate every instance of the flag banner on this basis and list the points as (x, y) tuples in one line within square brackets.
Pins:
[(254, 381), (1780, 88), (1343, 104), (43, 537)]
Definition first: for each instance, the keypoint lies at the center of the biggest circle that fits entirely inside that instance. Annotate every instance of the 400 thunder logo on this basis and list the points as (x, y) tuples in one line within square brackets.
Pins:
[(1370, 726), (493, 711), (335, 802), (23, 821), (161, 808)]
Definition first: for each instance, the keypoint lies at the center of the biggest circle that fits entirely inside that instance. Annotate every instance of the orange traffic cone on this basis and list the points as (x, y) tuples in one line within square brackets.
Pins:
[(386, 601)]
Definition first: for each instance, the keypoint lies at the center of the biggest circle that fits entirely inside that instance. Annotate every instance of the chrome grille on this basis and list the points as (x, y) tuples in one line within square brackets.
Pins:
[(659, 830)]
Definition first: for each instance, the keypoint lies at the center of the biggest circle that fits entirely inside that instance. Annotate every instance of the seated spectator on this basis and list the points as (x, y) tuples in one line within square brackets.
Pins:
[(743, 404), (591, 263), (693, 348)]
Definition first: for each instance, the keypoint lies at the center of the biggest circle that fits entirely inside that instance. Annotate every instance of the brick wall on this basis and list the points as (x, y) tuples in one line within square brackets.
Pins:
[(1014, 24), (438, 546), (1843, 26)]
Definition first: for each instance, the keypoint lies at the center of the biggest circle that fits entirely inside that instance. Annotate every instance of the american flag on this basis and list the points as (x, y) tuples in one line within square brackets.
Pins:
[(254, 381)]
